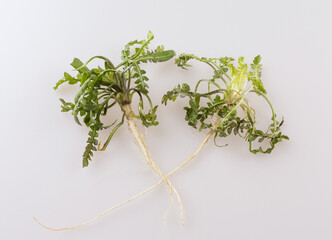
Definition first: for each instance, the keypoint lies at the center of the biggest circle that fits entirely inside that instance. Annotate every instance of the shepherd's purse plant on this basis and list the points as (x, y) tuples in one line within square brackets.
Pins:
[(218, 103)]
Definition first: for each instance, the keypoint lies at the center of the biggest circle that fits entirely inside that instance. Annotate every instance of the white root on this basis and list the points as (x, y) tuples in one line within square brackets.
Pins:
[(103, 213), (165, 178), (142, 146)]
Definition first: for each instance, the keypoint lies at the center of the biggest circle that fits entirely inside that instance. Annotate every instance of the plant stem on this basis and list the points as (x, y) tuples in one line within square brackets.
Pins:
[(270, 104)]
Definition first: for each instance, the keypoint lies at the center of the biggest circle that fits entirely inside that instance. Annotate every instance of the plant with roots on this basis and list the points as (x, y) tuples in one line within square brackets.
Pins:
[(226, 110), (219, 108), (222, 110), (102, 88), (221, 113)]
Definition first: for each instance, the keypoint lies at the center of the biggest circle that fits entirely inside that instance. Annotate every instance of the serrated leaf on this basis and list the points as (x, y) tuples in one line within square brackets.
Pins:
[(256, 74), (160, 56), (150, 35), (257, 59), (70, 79), (61, 81)]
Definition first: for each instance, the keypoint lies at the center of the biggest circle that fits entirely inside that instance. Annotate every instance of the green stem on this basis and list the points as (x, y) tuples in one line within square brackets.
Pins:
[(270, 104), (213, 66), (210, 93), (206, 80), (101, 57), (111, 135)]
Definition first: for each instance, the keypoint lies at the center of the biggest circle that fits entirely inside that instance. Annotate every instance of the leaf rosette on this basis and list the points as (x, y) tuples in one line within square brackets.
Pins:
[(105, 86), (225, 103)]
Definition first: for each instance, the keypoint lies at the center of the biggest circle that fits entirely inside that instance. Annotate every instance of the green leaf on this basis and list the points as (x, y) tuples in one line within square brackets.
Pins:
[(91, 146), (70, 79), (66, 106), (81, 91), (77, 64), (141, 79), (255, 75), (61, 81), (155, 57), (257, 59), (241, 60), (150, 35), (239, 76), (185, 88)]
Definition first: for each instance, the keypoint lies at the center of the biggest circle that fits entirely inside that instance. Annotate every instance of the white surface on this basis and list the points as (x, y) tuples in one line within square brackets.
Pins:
[(227, 193)]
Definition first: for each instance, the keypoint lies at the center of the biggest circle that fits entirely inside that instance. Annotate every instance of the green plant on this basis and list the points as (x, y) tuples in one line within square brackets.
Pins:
[(220, 110), (104, 87), (225, 103), (223, 110), (220, 114)]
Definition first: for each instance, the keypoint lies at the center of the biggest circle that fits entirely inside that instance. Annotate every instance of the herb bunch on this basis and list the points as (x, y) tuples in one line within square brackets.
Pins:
[(102, 88), (225, 103), (223, 110)]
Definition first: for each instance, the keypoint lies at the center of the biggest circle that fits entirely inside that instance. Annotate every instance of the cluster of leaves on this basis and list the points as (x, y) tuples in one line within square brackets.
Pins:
[(224, 104), (103, 87)]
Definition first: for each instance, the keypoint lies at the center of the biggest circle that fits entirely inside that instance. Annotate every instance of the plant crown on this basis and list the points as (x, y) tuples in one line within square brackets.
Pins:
[(103, 87), (225, 103)]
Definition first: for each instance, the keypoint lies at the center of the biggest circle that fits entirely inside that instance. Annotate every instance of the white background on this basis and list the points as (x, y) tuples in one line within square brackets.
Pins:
[(228, 193)]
